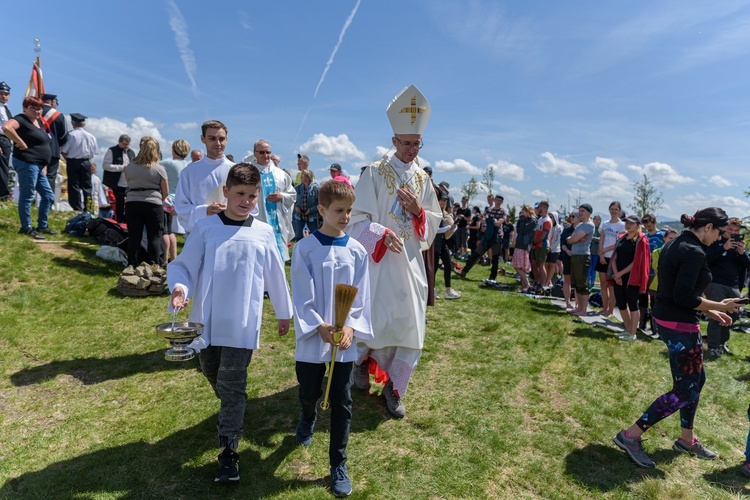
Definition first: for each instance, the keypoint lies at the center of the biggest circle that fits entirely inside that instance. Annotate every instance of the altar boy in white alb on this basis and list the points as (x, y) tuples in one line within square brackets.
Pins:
[(395, 214), (199, 192), (319, 262), (224, 267)]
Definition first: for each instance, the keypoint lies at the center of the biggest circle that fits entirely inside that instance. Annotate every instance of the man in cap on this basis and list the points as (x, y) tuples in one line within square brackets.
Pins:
[(444, 186), (580, 258), (335, 170), (54, 123), (277, 196), (78, 150), (395, 213), (5, 143), (115, 160)]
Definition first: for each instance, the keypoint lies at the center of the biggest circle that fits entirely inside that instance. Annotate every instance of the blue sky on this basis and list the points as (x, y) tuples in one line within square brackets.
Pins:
[(565, 99)]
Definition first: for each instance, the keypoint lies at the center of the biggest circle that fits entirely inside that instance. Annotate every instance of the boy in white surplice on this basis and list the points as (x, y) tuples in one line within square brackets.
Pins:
[(320, 261), (224, 266)]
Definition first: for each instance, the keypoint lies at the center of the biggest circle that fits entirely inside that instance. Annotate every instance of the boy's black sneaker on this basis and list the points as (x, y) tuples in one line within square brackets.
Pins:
[(229, 467)]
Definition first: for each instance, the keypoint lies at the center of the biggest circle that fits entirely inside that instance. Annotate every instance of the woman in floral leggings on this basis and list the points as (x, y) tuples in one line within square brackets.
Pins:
[(683, 276)]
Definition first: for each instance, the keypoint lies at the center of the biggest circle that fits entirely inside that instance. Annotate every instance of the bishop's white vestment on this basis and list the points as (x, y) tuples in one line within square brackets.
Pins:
[(398, 282)]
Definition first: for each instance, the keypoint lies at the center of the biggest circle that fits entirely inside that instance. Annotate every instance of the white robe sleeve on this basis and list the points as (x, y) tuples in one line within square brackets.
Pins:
[(274, 278), (359, 314), (303, 290), (185, 269), (188, 210)]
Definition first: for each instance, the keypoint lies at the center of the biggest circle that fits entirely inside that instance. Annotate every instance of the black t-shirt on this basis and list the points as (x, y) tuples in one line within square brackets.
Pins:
[(466, 212), (625, 252), (39, 151)]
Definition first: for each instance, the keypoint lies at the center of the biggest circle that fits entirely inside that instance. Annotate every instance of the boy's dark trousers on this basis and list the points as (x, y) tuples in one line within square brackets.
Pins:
[(310, 377), (226, 370)]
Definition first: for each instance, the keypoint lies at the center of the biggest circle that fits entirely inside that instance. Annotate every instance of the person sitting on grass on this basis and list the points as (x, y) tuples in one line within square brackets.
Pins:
[(226, 263), (320, 262)]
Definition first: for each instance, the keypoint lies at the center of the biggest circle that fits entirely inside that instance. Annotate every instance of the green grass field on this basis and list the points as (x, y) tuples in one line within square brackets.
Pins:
[(511, 399)]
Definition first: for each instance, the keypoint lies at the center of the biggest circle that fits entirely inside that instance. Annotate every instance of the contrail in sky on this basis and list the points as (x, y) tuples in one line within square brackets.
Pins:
[(336, 48), (182, 39)]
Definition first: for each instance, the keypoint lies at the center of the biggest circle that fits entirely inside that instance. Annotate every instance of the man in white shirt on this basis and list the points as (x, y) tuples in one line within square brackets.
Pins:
[(78, 150), (199, 190)]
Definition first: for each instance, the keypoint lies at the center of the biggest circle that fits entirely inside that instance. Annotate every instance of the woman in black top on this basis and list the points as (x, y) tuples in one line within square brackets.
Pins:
[(31, 155), (474, 226), (683, 276)]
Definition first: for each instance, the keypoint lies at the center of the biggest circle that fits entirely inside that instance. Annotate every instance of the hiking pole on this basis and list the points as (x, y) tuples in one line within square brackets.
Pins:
[(344, 298)]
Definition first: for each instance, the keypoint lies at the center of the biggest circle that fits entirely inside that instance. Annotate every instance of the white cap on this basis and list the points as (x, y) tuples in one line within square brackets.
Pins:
[(409, 112)]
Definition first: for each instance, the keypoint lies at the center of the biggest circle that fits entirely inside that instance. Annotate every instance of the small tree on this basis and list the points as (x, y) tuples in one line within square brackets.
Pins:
[(470, 188), (647, 199), (512, 211), (488, 178)]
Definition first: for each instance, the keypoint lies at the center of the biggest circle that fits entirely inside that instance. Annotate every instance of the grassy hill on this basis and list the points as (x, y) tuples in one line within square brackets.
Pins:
[(511, 400)]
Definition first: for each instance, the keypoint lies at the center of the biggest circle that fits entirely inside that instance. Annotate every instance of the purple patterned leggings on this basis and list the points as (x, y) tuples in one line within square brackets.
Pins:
[(688, 375)]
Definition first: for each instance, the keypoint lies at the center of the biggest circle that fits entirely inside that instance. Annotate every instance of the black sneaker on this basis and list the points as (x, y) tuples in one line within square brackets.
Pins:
[(46, 230), (229, 467), (33, 233)]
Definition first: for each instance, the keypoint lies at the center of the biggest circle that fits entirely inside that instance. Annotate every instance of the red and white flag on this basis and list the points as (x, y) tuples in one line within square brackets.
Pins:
[(35, 88)]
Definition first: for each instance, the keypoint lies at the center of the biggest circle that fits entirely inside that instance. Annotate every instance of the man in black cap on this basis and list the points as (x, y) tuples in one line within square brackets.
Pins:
[(5, 143), (335, 170), (54, 123), (78, 150)]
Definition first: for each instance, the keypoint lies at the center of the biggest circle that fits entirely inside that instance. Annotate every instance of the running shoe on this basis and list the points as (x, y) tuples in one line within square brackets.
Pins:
[(696, 449), (634, 449)]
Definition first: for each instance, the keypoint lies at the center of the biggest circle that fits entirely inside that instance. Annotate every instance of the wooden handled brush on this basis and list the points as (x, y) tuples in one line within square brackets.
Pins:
[(344, 298)]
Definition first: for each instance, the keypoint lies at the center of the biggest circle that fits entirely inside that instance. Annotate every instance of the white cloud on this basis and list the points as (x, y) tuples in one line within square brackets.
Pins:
[(613, 177), (506, 170), (457, 166), (108, 130), (661, 175), (539, 193), (720, 181), (507, 190), (186, 125), (380, 151), (551, 165), (696, 201), (338, 148), (605, 163), (182, 39)]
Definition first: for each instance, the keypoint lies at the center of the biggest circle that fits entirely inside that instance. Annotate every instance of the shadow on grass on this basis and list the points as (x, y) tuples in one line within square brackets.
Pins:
[(95, 370), (92, 265), (592, 332), (729, 479), (605, 468), (167, 468)]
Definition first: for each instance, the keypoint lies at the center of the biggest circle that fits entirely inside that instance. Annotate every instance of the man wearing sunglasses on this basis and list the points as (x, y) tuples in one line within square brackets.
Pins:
[(276, 204)]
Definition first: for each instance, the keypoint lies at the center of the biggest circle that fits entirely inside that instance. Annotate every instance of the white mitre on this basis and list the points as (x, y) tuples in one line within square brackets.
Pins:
[(409, 112)]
